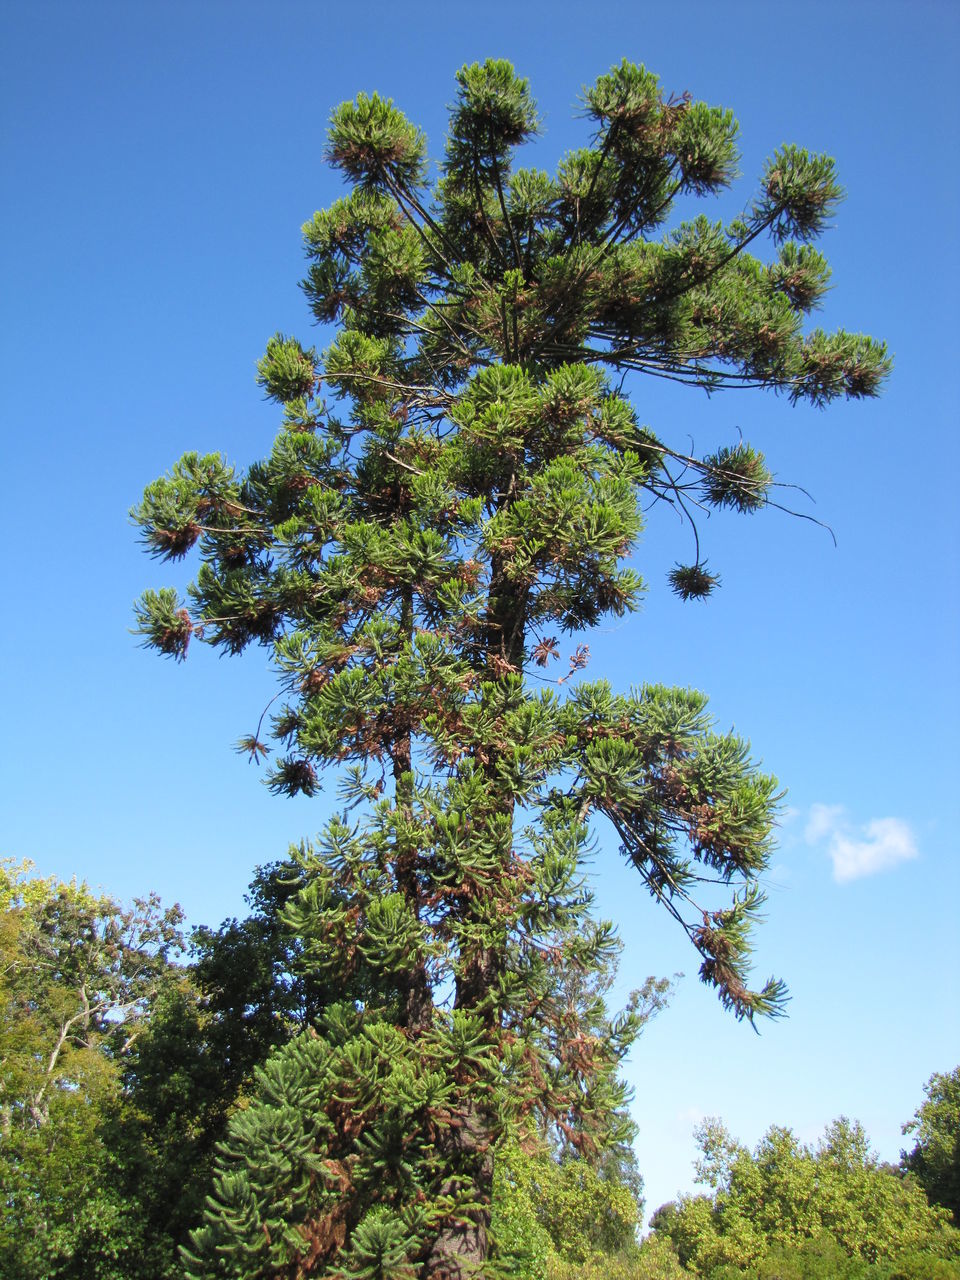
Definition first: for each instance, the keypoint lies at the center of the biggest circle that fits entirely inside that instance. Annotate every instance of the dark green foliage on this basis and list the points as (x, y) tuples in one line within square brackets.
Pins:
[(692, 581), (935, 1158), (244, 994), (411, 553), (351, 1107)]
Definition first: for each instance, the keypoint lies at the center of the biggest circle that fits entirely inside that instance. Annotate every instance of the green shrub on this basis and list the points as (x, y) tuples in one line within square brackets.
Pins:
[(654, 1259)]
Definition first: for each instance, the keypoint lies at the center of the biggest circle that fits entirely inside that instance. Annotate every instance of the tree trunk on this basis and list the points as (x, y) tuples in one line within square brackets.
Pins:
[(416, 994), (460, 1248)]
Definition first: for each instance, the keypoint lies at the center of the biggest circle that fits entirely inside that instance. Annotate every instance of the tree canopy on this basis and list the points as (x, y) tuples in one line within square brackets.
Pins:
[(826, 1205), (935, 1156), (459, 482), (79, 975)]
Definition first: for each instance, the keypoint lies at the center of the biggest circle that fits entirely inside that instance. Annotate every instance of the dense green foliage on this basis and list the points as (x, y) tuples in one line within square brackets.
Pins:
[(788, 1201), (822, 1259), (108, 1134), (411, 553), (111, 1114), (547, 1210), (244, 995), (79, 975), (935, 1157)]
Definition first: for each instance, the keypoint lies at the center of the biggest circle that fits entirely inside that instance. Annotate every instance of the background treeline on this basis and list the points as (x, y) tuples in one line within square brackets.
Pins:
[(127, 1049)]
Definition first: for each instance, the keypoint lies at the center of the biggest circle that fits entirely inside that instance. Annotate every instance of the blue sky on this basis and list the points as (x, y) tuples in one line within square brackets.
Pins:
[(158, 162)]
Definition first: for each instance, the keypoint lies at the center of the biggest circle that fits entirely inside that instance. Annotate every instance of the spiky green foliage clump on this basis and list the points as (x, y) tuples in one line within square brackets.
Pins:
[(411, 554)]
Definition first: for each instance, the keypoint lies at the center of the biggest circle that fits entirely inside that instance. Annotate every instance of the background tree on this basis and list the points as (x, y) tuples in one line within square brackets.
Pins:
[(821, 1258), (545, 1209), (935, 1157), (78, 977), (412, 564), (552, 1206), (768, 1204), (244, 993)]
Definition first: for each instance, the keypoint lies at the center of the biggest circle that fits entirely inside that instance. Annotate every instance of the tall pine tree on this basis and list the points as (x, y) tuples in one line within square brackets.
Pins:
[(457, 484)]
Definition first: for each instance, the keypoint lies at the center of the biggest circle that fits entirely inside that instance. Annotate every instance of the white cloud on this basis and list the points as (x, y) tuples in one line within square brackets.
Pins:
[(824, 819), (878, 845)]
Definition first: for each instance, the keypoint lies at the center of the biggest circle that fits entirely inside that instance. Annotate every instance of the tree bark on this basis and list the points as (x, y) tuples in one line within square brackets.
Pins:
[(460, 1248), (416, 995)]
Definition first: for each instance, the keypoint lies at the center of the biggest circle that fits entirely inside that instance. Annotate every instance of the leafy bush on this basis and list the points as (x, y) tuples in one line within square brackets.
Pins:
[(789, 1211), (654, 1259), (549, 1214)]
